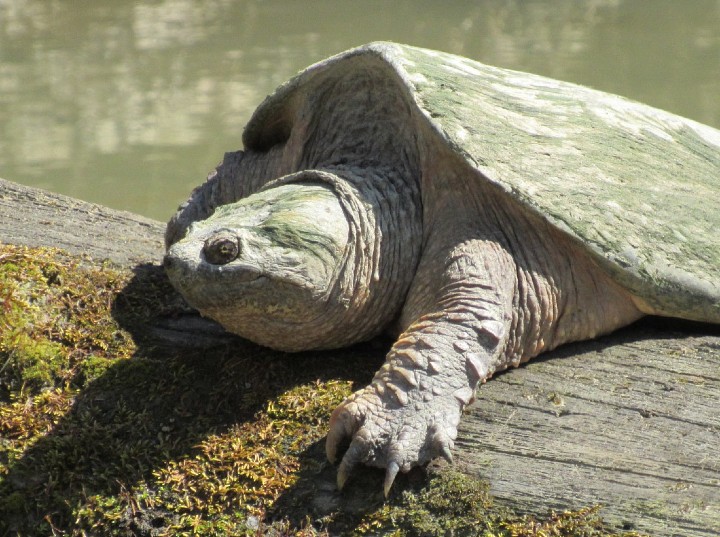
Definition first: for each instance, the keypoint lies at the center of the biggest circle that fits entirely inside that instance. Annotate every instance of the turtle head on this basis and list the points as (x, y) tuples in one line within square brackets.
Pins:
[(317, 259), (268, 267)]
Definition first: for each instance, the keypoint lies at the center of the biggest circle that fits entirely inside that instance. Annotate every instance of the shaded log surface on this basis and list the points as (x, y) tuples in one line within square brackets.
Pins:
[(628, 421)]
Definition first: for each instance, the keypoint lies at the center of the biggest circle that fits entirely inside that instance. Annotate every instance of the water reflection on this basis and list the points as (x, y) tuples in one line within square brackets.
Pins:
[(129, 103)]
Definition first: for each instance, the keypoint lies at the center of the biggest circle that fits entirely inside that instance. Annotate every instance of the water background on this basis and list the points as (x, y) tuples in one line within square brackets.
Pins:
[(130, 103)]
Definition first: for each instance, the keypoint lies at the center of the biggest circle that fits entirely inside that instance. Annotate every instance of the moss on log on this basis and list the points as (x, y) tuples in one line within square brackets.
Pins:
[(121, 412)]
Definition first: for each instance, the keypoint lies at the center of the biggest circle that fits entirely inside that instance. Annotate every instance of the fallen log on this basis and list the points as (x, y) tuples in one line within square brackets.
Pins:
[(628, 421)]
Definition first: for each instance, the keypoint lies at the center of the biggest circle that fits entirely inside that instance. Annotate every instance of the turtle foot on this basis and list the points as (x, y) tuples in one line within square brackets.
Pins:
[(390, 434)]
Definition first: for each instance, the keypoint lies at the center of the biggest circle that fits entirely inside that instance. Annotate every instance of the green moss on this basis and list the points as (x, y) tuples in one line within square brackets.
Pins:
[(92, 368), (12, 504), (452, 503), (243, 470), (36, 363), (54, 311)]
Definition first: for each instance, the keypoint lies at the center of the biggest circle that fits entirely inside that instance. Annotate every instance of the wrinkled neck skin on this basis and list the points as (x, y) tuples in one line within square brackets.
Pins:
[(316, 259), (256, 168)]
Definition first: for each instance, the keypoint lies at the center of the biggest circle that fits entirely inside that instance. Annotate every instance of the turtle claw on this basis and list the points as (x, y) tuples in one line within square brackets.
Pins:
[(342, 476), (335, 437), (383, 435), (347, 464), (342, 428), (445, 453), (392, 471), (353, 456), (442, 445)]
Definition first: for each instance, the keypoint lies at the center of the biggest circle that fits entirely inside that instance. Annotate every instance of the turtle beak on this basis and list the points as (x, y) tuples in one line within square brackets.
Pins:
[(175, 263), (173, 267)]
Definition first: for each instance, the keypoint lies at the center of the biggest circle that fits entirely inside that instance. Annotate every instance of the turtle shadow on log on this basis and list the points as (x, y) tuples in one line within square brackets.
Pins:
[(188, 380)]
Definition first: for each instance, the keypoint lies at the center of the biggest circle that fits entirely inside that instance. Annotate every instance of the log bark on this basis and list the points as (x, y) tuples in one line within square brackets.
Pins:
[(628, 421)]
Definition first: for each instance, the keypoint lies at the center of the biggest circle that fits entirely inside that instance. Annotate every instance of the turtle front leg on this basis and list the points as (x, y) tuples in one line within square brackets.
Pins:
[(460, 322)]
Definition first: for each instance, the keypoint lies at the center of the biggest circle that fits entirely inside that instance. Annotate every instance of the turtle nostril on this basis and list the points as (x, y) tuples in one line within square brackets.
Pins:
[(220, 249)]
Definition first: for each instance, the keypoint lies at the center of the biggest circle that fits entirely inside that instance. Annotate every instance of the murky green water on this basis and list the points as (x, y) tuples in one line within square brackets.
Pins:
[(131, 103)]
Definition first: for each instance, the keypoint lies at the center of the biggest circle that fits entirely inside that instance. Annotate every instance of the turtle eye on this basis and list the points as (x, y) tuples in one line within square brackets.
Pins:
[(220, 249)]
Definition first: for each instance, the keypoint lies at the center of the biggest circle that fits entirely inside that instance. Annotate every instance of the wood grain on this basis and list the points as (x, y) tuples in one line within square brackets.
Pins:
[(35, 217), (629, 421)]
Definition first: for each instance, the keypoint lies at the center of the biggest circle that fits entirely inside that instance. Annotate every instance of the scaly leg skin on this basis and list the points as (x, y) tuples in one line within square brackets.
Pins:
[(479, 314), (410, 412)]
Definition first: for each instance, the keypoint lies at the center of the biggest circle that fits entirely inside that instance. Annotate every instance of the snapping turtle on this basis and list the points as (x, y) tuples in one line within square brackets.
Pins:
[(482, 215)]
